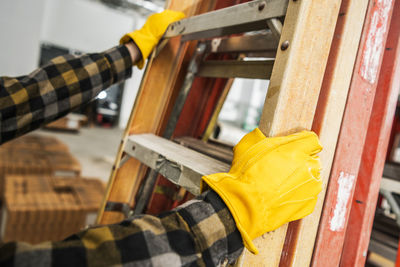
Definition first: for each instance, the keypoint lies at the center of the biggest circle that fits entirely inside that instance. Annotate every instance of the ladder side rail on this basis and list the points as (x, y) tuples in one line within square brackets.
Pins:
[(293, 94)]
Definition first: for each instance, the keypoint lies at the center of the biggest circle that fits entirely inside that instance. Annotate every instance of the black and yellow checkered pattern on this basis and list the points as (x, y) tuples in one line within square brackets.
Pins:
[(201, 232), (52, 91)]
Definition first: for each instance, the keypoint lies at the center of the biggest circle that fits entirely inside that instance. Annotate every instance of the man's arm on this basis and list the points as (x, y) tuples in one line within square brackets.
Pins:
[(50, 92), (66, 82), (202, 232)]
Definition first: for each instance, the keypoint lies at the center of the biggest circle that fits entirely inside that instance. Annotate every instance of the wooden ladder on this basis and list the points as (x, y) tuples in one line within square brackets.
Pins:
[(305, 92)]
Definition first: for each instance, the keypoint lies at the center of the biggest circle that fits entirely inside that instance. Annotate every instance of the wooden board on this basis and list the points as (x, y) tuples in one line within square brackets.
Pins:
[(373, 158), (40, 208), (293, 94), (179, 164), (152, 105), (353, 131)]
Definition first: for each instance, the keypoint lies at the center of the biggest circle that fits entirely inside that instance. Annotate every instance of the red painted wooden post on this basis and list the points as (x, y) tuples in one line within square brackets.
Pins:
[(374, 154), (398, 256), (353, 132)]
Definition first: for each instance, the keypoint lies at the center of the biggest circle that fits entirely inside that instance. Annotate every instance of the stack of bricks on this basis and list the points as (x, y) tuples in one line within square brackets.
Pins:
[(34, 154), (41, 208)]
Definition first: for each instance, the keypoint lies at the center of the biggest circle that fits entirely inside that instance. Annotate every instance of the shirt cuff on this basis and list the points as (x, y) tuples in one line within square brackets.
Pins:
[(120, 62), (211, 222)]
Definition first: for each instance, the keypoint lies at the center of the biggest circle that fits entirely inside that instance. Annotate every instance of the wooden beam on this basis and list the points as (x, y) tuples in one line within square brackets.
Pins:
[(331, 235), (293, 93), (327, 123), (373, 158), (179, 164), (230, 20), (255, 69)]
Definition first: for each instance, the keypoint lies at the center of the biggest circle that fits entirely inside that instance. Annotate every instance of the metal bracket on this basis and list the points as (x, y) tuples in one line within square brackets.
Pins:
[(275, 25), (123, 160)]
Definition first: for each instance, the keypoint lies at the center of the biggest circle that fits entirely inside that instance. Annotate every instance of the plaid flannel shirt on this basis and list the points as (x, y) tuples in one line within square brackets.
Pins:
[(50, 92), (201, 232)]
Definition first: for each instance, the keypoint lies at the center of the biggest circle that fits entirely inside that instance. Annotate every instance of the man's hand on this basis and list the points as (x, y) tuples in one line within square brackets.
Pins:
[(148, 36), (272, 181)]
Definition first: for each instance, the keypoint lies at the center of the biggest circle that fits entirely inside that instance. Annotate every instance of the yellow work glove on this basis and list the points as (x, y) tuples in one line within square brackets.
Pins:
[(272, 181), (148, 36)]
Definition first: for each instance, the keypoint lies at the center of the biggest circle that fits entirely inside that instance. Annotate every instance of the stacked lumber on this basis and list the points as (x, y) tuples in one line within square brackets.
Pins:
[(72, 123), (35, 142), (35, 154), (41, 207)]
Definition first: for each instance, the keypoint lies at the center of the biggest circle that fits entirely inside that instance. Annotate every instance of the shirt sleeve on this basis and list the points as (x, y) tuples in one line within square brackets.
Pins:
[(52, 91), (201, 232)]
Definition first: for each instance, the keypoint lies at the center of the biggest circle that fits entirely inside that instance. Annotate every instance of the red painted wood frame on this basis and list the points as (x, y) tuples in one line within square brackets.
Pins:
[(353, 132), (374, 154), (398, 256)]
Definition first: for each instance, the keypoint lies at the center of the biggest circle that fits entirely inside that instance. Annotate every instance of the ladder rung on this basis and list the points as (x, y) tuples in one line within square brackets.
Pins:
[(179, 164), (381, 248), (257, 69), (392, 170), (390, 185), (218, 152), (245, 17), (265, 42)]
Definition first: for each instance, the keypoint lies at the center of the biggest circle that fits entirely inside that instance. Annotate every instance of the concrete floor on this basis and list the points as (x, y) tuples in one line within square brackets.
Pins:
[(95, 148)]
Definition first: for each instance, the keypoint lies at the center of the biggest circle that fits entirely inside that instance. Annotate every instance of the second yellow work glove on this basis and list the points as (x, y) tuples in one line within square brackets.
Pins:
[(272, 181), (148, 36)]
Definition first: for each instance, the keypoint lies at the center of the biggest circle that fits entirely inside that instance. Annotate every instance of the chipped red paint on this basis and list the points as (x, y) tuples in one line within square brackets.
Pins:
[(348, 156), (374, 154)]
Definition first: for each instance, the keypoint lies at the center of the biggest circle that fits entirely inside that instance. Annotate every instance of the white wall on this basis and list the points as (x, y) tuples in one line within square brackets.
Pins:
[(84, 25), (91, 27), (20, 28)]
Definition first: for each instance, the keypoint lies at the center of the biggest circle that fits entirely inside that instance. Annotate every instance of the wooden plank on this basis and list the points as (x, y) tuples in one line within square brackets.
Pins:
[(179, 164), (382, 249), (153, 102), (255, 69), (215, 151), (235, 19), (293, 94), (373, 158), (344, 171), (262, 42), (392, 170), (327, 122)]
